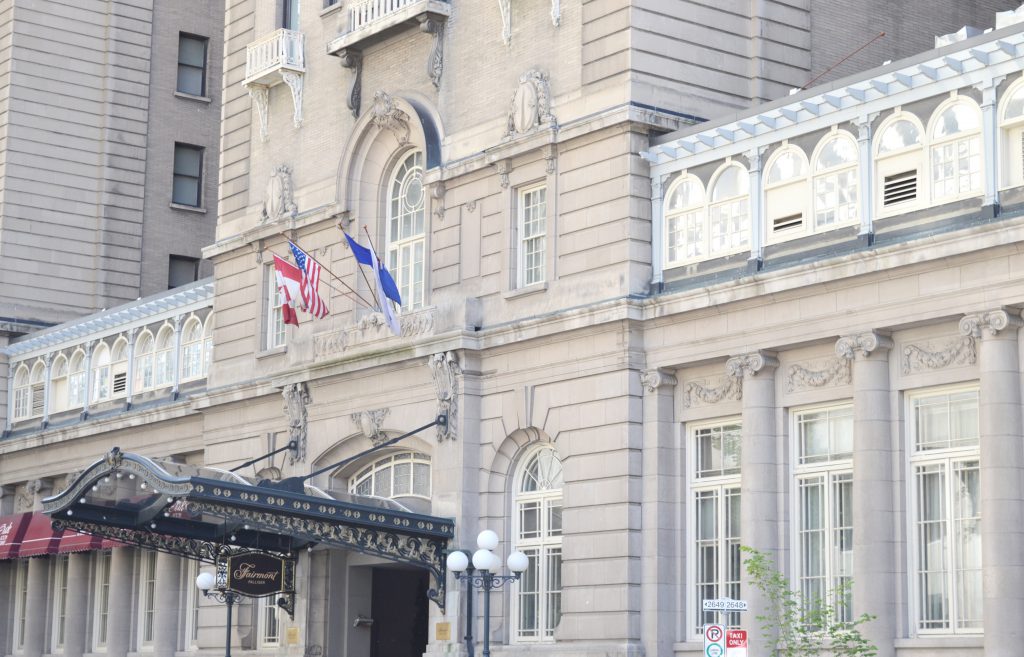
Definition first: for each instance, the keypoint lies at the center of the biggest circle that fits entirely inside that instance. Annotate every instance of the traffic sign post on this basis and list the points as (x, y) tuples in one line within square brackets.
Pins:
[(714, 640), (718, 640)]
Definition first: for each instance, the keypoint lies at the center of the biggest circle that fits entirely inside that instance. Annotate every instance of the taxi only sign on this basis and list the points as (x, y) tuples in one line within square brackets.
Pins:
[(736, 643)]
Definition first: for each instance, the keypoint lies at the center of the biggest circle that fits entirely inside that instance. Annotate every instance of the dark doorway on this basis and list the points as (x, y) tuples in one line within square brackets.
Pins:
[(399, 609)]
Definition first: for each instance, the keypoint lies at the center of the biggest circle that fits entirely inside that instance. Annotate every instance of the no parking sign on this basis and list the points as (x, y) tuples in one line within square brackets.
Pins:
[(714, 640)]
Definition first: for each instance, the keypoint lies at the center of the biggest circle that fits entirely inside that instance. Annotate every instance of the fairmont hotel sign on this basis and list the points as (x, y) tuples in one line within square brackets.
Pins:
[(256, 574)]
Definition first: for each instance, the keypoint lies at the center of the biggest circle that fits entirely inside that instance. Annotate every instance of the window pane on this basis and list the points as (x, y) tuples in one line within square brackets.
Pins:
[(901, 134), (967, 528), (932, 547)]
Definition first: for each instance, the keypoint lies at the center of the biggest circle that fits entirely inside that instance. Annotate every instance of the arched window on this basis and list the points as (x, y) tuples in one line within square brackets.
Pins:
[(37, 384), (101, 372), (406, 474), (163, 374), (406, 230), (59, 384), (76, 380), (955, 149), (119, 368), (537, 527), (22, 393), (192, 350), (899, 161), (144, 348), (685, 224), (1011, 121), (207, 345), (786, 194), (729, 211), (835, 181)]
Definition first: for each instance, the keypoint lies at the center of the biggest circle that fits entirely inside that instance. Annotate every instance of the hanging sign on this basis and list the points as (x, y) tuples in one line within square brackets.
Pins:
[(255, 574)]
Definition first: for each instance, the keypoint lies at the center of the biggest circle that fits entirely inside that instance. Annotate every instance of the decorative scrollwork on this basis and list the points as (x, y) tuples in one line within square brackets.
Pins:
[(750, 364), (371, 423), (445, 371), (861, 344), (297, 398), (435, 62), (354, 60), (387, 116), (988, 323), (731, 388), (651, 380), (961, 351), (837, 372)]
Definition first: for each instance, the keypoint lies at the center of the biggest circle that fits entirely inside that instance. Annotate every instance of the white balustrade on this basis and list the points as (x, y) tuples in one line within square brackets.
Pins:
[(363, 13), (279, 49)]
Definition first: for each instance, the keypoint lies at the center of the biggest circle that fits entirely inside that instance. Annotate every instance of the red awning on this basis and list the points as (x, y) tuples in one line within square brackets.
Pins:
[(39, 537), (30, 535), (76, 542), (12, 530)]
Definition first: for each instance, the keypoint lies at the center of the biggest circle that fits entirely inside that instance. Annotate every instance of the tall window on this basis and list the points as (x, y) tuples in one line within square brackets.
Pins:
[(144, 348), (835, 181), (715, 492), (899, 162), (147, 598), (729, 211), (76, 380), (824, 487), (207, 344), (268, 622), (406, 236), (192, 357), (192, 64), (102, 596), (192, 606), (163, 357), (119, 368), (956, 151), (275, 318), (537, 602), (398, 475), (290, 14), (22, 394), (786, 193), (20, 604), (60, 601), (532, 231), (59, 383), (944, 436), (101, 372), (188, 175), (685, 223), (1011, 149), (181, 270)]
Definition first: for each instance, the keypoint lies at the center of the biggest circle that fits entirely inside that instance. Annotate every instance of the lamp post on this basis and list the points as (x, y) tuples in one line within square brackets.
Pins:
[(205, 582), (481, 572)]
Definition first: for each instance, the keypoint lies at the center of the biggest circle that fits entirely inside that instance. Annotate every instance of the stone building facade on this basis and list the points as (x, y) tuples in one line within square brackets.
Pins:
[(794, 328)]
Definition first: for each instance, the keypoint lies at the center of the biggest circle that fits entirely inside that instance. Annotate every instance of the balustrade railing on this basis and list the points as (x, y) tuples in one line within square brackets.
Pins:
[(363, 13), (279, 49)]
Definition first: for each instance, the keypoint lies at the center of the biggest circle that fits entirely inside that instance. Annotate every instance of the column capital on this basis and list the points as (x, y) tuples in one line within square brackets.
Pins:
[(750, 364), (862, 344), (990, 323), (754, 158), (657, 378), (863, 123)]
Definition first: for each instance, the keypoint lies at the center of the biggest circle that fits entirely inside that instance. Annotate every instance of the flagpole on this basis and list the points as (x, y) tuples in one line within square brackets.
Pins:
[(369, 287), (335, 276), (357, 297), (370, 240)]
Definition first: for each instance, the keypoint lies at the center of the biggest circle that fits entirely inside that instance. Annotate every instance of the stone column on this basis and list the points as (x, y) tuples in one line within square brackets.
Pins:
[(759, 477), (874, 514), (1001, 485), (168, 595), (121, 616), (77, 605), (660, 583), (35, 606)]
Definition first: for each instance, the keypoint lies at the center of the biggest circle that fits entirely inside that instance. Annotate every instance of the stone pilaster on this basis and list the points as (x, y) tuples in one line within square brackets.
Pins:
[(121, 616), (1001, 485), (77, 605), (874, 513), (660, 582), (168, 599), (759, 475), (35, 606)]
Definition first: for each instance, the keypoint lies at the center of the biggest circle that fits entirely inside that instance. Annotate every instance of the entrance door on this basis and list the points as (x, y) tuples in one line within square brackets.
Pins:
[(399, 608)]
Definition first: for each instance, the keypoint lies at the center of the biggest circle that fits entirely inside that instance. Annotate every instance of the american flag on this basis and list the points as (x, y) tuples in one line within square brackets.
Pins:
[(310, 269)]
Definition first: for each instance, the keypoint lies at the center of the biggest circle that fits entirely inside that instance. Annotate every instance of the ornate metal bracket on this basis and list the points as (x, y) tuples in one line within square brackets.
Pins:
[(354, 59)]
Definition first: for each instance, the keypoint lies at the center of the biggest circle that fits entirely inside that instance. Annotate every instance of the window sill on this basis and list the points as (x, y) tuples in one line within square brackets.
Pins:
[(187, 208), (330, 9), (942, 641), (517, 293), (198, 99), (273, 351)]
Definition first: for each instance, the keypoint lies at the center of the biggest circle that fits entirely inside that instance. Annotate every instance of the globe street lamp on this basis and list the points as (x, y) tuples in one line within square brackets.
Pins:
[(205, 582), (481, 571)]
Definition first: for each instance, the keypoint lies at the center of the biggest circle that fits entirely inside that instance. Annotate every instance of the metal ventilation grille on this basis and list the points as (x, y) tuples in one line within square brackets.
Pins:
[(791, 222), (38, 399), (120, 380), (900, 187)]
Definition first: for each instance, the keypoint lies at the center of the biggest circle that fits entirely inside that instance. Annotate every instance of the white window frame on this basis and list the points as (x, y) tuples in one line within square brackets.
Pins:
[(119, 367), (20, 620), (101, 381), (835, 171), (723, 486), (402, 249), (899, 160), (192, 348), (145, 372), (729, 206), (945, 457), (76, 379), (163, 357), (525, 209), (207, 344), (955, 139), (1011, 139), (374, 472), (692, 219), (831, 470), (101, 601), (276, 329), (147, 599), (797, 186), (58, 637), (59, 383), (547, 544), (22, 394), (268, 631)]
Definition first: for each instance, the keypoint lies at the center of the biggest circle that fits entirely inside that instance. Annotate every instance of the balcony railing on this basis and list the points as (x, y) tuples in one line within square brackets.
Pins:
[(264, 59), (366, 12)]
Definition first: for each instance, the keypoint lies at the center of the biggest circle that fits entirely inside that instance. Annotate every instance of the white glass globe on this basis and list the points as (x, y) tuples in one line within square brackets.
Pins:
[(487, 540), (483, 559), (205, 581), (518, 562), (457, 561), (495, 563)]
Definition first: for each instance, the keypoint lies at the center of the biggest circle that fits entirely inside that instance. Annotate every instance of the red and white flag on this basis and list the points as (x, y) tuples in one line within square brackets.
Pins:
[(289, 286), (310, 269)]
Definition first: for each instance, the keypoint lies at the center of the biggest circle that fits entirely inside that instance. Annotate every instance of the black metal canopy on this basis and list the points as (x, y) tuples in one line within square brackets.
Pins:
[(209, 514)]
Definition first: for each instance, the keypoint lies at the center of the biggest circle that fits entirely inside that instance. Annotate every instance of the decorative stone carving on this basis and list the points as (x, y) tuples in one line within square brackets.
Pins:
[(369, 329), (387, 116), (728, 387), (835, 372), (750, 364), (988, 323), (371, 423), (651, 380), (437, 191), (296, 399), (445, 370), (278, 199), (261, 98), (354, 60), (435, 62), (114, 458), (505, 7), (294, 82), (504, 168), (25, 500), (935, 355), (849, 347), (531, 105), (551, 158), (471, 206)]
